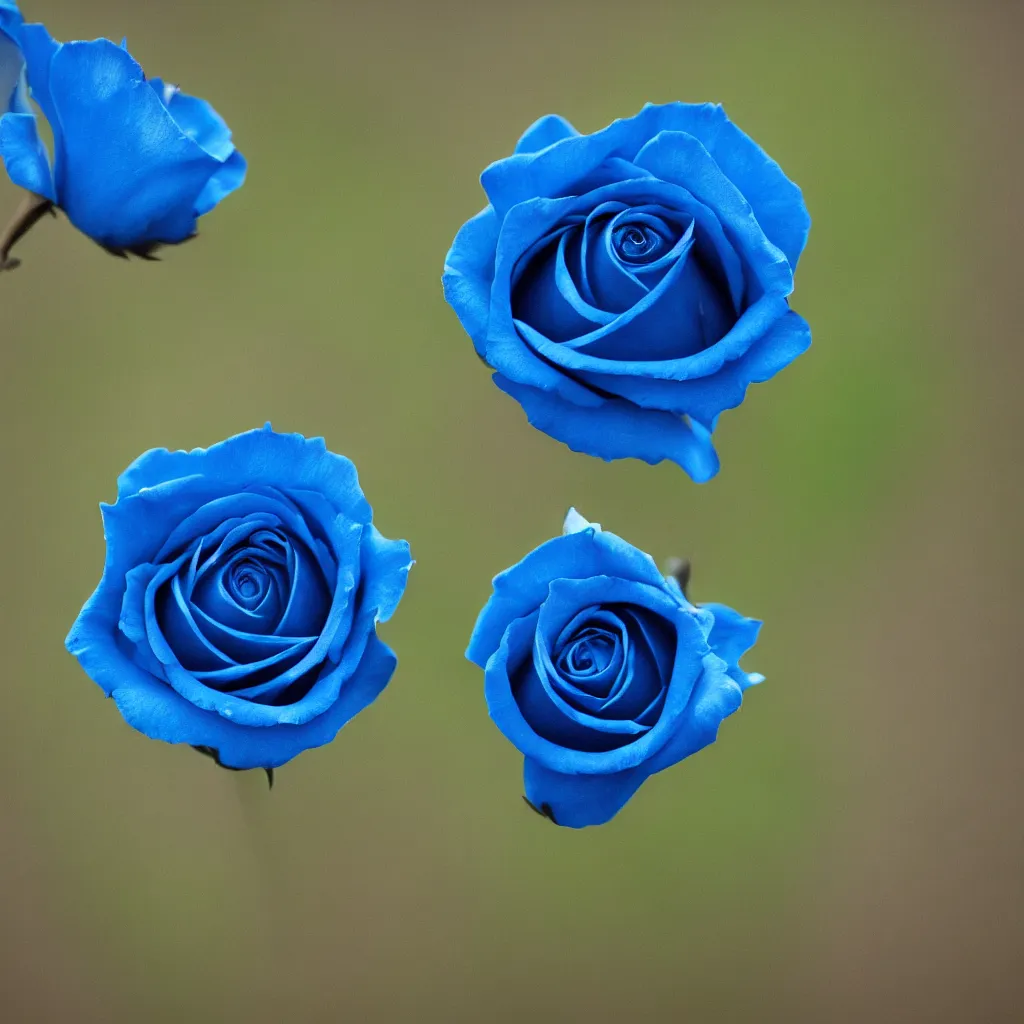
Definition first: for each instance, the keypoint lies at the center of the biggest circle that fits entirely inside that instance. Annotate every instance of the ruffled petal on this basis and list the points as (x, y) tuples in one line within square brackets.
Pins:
[(558, 168), (732, 635), (285, 461), (545, 132)]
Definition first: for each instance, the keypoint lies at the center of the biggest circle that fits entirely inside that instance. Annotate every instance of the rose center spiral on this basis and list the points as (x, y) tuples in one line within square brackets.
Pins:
[(589, 655), (638, 243), (248, 582)]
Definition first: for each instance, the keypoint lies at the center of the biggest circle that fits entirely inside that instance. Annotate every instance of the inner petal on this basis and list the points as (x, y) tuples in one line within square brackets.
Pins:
[(613, 285), (653, 645), (546, 293), (588, 656)]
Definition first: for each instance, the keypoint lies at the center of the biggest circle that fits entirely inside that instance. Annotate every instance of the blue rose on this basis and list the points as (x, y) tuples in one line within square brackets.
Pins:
[(600, 671), (238, 606), (13, 89), (136, 162), (627, 286)]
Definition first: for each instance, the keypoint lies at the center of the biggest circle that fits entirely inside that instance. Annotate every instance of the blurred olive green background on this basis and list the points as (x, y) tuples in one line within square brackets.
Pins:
[(850, 849)]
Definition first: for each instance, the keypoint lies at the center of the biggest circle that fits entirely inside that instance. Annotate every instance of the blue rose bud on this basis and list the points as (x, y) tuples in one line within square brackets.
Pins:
[(13, 88), (238, 606), (627, 286), (601, 672), (136, 161)]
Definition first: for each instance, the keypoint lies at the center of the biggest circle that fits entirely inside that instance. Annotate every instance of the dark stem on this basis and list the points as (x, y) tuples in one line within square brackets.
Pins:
[(214, 755), (680, 569), (544, 810), (32, 209)]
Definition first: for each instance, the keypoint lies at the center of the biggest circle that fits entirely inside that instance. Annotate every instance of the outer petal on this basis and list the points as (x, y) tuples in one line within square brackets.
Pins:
[(552, 171), (199, 121), (732, 635), (545, 132), (715, 697), (680, 158), (284, 461), (227, 179), (156, 710), (704, 398), (39, 48), (469, 271), (520, 590), (777, 202), (13, 87), (385, 566), (579, 800), (618, 429), (196, 119), (126, 174), (24, 156)]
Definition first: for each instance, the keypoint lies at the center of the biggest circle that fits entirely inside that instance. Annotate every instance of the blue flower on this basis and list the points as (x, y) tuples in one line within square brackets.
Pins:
[(136, 162), (238, 606), (627, 286), (13, 88), (601, 672)]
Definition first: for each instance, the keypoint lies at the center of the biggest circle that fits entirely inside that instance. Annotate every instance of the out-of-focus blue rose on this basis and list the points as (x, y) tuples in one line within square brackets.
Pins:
[(238, 606), (627, 286), (13, 87), (136, 161), (601, 672)]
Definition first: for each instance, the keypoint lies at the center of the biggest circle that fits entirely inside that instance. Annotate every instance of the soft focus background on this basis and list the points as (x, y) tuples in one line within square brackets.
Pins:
[(852, 847)]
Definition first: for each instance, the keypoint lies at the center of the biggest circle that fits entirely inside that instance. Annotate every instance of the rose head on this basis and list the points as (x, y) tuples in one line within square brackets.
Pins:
[(136, 162), (627, 286), (600, 671), (240, 596), (13, 88)]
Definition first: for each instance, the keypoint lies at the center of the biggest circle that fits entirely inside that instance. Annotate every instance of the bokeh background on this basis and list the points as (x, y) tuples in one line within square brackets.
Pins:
[(852, 847)]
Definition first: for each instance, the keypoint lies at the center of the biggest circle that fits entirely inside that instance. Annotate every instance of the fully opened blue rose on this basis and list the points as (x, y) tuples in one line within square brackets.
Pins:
[(239, 601), (627, 286), (601, 672), (136, 162)]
